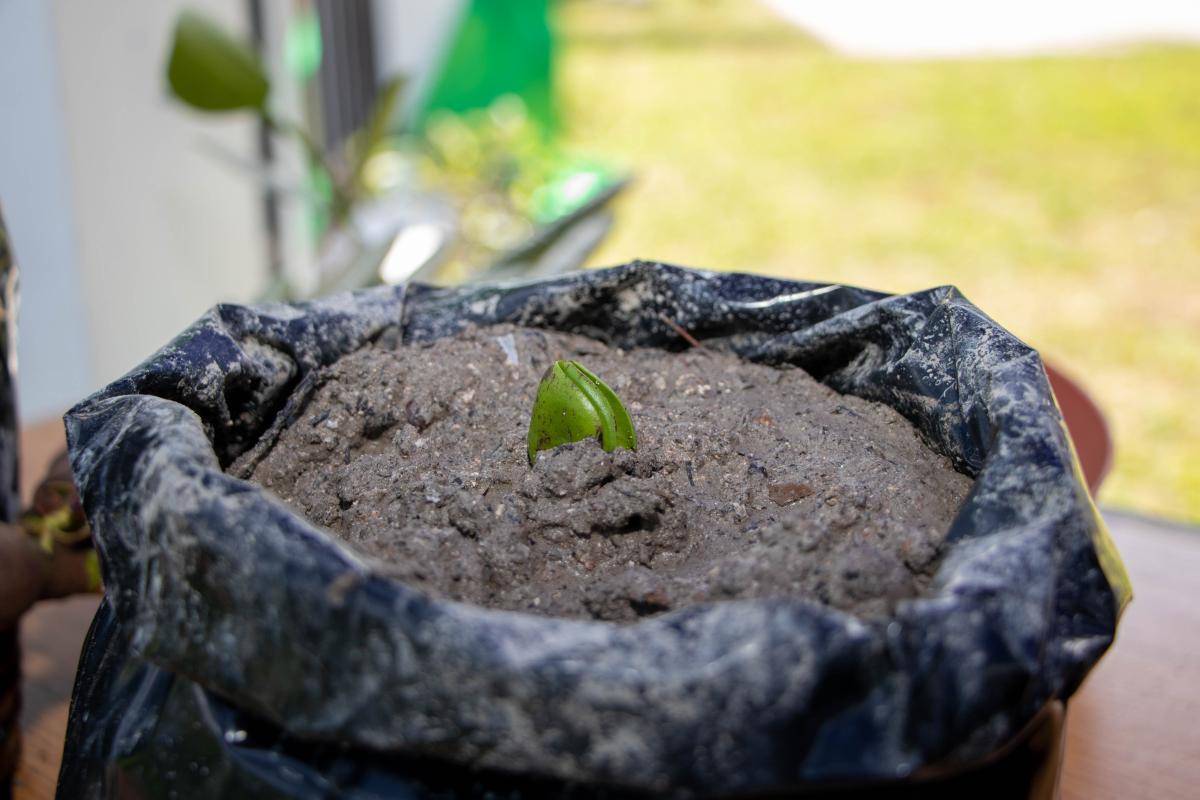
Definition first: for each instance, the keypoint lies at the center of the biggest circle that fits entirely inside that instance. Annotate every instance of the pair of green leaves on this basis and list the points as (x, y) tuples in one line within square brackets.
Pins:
[(572, 405)]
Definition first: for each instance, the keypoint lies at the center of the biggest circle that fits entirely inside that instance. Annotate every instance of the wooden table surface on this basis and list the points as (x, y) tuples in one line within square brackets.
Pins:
[(1131, 730)]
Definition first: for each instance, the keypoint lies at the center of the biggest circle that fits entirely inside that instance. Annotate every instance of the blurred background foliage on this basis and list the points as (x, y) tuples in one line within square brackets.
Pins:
[(472, 185), (1061, 194)]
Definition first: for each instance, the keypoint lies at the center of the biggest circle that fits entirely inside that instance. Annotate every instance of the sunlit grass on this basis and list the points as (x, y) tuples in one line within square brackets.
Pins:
[(1062, 195)]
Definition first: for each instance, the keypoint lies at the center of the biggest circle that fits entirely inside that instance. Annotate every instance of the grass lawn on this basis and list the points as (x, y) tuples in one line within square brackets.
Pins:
[(1062, 195)]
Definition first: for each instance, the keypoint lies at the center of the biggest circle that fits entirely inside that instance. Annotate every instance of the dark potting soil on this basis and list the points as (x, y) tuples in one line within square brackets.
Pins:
[(749, 481)]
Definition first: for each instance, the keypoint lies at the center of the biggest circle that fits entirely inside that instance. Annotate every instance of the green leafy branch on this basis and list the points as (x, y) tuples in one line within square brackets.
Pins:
[(212, 71)]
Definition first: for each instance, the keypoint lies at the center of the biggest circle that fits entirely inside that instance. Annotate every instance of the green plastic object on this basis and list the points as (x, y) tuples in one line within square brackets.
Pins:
[(303, 48), (572, 405), (500, 48), (211, 71)]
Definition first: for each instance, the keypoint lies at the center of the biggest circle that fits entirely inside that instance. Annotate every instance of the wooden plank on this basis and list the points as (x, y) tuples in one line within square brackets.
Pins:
[(1131, 732), (51, 635)]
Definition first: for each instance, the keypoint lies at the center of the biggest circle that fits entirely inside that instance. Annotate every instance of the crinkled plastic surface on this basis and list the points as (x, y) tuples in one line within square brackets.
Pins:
[(242, 651)]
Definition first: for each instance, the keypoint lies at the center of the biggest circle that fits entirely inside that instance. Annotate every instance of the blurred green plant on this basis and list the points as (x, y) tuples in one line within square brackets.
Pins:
[(210, 70), (572, 405), (503, 176), (505, 199)]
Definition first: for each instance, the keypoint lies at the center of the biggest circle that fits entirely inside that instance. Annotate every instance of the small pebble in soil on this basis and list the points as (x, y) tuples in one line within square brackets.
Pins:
[(784, 494)]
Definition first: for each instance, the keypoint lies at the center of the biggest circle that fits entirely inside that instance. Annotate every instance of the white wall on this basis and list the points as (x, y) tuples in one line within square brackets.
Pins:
[(165, 228), (55, 365), (151, 227)]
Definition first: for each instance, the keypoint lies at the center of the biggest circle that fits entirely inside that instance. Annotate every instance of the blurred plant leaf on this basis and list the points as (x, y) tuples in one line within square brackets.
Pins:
[(212, 71), (561, 246), (369, 138)]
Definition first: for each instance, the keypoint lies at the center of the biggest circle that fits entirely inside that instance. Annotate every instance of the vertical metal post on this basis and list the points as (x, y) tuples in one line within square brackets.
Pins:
[(266, 154), (347, 77)]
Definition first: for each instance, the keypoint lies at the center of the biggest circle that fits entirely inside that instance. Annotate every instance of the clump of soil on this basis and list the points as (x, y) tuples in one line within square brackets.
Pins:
[(749, 481)]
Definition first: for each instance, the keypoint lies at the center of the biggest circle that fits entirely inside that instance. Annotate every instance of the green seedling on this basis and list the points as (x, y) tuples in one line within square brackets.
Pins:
[(572, 405)]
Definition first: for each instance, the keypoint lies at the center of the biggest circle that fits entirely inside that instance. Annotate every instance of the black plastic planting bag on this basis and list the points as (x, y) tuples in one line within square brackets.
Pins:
[(242, 651)]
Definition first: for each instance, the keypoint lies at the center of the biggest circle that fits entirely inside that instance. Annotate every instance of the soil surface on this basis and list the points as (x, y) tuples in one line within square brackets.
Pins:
[(749, 481)]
